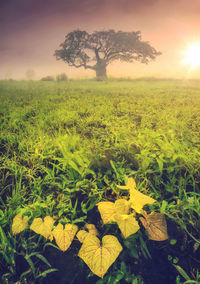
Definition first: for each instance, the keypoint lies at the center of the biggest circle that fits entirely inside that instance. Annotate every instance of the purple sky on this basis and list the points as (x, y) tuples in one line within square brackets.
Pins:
[(31, 30)]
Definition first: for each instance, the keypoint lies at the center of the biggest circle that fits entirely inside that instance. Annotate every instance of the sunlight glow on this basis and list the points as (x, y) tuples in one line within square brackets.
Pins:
[(192, 56)]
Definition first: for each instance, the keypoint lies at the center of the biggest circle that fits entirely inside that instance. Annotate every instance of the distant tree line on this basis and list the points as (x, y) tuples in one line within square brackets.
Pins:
[(59, 77)]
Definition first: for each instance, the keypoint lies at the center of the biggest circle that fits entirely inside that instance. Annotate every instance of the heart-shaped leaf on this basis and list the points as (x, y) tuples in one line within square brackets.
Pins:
[(64, 237), (122, 206), (43, 227), (100, 257), (108, 210), (128, 225), (119, 213), (92, 229), (82, 234), (156, 226), (19, 224)]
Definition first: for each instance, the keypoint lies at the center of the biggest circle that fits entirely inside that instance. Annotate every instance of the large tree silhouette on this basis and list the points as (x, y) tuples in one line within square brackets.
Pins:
[(96, 50)]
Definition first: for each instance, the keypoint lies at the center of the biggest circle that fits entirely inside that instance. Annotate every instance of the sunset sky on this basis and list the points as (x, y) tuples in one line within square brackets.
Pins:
[(31, 30)]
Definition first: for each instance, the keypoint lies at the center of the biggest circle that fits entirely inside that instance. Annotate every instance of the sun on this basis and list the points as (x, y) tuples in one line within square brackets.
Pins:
[(192, 55)]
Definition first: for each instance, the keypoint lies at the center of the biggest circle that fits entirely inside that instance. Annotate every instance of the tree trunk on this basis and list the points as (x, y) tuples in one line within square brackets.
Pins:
[(100, 68)]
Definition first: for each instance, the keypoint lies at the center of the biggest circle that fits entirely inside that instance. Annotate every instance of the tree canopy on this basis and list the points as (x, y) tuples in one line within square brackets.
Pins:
[(96, 50)]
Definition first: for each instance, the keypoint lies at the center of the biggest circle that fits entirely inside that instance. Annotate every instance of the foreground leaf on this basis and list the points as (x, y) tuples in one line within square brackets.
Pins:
[(43, 227), (109, 210), (100, 257), (82, 234), (122, 206), (130, 184), (128, 225), (92, 229), (156, 226), (118, 213), (19, 224), (64, 237), (137, 199)]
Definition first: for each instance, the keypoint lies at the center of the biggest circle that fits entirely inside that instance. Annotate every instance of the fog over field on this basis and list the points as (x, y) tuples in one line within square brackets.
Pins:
[(32, 30)]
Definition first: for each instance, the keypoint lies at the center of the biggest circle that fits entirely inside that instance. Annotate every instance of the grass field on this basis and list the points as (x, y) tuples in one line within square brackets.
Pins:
[(65, 146)]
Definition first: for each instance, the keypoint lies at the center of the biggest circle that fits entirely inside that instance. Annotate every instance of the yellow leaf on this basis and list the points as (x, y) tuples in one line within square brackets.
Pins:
[(137, 199), (122, 206), (81, 235), (43, 227), (156, 226), (118, 212), (100, 257), (92, 229), (19, 224), (107, 211), (130, 184), (64, 237), (128, 225), (51, 237)]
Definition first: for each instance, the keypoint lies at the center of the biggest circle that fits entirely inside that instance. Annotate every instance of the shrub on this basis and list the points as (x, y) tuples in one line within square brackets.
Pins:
[(47, 78)]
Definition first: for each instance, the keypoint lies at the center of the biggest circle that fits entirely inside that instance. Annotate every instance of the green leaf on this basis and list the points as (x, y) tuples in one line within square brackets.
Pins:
[(27, 257), (160, 164), (114, 168), (137, 280), (134, 253), (51, 245), (74, 166), (163, 206), (25, 273), (41, 257), (123, 267), (173, 242), (119, 277), (144, 248), (44, 273), (182, 272)]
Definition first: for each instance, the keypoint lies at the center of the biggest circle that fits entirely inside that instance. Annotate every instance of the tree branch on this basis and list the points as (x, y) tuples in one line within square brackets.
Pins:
[(81, 65)]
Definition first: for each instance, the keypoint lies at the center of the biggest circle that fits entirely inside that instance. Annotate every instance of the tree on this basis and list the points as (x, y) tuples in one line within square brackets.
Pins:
[(95, 51)]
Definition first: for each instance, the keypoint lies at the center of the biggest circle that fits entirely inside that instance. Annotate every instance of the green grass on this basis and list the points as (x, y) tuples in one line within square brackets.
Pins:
[(64, 146)]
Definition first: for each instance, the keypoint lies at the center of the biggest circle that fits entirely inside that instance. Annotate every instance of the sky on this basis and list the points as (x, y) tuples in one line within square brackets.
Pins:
[(31, 31)]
